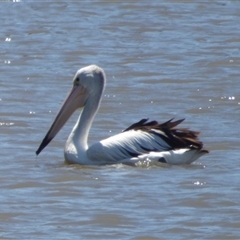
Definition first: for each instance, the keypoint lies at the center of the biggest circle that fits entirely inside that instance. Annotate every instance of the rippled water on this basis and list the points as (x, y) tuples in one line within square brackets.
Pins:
[(162, 60)]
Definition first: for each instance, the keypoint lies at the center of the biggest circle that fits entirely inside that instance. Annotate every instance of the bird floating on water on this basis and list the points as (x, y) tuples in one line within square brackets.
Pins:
[(142, 141)]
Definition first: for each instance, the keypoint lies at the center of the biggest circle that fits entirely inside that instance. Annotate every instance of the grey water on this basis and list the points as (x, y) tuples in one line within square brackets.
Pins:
[(163, 59)]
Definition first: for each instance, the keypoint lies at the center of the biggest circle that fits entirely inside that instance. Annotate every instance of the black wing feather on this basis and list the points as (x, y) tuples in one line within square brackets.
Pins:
[(175, 137)]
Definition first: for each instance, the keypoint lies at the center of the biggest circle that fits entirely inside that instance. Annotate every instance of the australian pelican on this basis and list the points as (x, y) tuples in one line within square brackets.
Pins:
[(144, 140)]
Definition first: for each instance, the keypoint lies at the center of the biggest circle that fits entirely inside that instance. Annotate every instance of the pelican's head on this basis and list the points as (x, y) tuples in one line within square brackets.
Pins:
[(88, 85)]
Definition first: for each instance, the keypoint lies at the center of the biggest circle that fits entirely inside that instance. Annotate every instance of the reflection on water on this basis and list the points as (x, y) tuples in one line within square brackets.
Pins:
[(162, 60)]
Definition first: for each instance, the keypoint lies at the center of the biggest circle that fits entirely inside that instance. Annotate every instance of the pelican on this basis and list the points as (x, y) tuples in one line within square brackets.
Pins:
[(142, 141)]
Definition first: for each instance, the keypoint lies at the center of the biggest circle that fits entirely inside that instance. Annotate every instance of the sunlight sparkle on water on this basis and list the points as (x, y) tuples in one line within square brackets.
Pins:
[(199, 183), (6, 124), (229, 98)]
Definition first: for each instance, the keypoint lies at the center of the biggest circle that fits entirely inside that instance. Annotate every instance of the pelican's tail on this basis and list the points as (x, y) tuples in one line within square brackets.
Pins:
[(182, 156), (174, 157)]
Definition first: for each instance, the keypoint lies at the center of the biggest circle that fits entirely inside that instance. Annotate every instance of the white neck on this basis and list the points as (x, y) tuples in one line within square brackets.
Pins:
[(77, 142), (84, 123)]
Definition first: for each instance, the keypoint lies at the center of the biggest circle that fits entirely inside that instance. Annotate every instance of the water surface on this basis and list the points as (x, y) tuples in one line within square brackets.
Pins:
[(162, 60)]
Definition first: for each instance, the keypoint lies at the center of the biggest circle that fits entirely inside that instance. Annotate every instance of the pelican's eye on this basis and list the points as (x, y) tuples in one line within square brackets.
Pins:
[(77, 80)]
